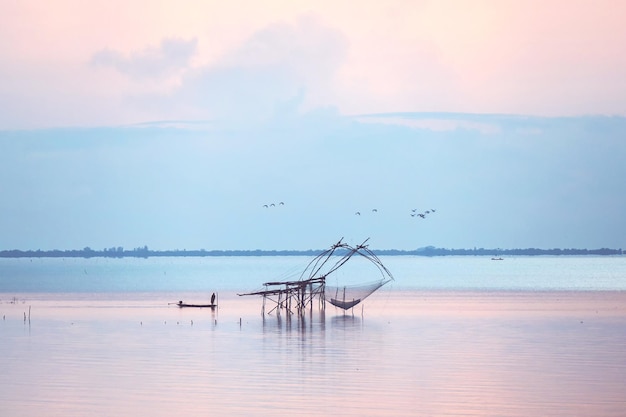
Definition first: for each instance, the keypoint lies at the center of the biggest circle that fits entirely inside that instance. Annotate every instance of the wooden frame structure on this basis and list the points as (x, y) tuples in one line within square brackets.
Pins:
[(297, 296), (293, 296)]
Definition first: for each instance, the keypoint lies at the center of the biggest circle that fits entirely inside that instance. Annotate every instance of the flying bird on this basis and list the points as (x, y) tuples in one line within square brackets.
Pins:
[(358, 213)]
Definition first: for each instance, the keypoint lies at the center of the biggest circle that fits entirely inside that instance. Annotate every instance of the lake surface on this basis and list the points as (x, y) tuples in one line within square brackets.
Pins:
[(454, 336)]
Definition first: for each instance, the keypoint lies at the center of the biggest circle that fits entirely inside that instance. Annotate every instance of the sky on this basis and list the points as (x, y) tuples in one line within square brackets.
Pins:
[(170, 125)]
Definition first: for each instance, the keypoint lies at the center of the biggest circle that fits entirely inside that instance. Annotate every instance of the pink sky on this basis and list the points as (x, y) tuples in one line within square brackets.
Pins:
[(106, 62)]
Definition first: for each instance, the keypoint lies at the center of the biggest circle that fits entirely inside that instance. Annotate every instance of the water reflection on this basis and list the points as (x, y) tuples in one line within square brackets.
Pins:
[(346, 322), (313, 320), (463, 354), (308, 321)]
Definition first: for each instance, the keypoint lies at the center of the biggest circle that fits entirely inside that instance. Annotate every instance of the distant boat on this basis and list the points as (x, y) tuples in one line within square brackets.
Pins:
[(496, 259)]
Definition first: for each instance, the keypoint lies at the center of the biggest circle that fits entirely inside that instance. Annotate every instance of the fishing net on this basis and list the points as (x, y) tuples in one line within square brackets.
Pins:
[(348, 296), (328, 277), (332, 265)]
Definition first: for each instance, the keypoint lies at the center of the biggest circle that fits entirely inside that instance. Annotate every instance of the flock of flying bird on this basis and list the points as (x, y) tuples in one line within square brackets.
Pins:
[(422, 215), (273, 205), (414, 212)]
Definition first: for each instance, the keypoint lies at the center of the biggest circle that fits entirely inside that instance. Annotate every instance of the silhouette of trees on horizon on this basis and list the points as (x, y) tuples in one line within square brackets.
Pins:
[(145, 252)]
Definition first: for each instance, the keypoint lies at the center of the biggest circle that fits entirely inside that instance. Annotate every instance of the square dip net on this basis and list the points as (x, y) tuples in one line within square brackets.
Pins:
[(347, 280)]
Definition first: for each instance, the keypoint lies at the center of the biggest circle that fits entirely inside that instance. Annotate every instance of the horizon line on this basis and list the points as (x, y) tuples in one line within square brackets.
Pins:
[(119, 252)]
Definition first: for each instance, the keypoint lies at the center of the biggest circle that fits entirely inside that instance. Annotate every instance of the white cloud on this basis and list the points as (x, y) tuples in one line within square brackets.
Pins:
[(282, 68), (170, 56), (432, 123), (307, 48)]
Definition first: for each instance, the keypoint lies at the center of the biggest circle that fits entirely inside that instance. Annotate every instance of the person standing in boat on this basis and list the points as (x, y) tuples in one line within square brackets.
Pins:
[(213, 299)]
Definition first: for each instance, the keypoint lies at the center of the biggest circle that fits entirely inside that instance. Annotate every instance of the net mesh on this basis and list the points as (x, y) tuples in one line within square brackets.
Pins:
[(348, 296), (327, 265)]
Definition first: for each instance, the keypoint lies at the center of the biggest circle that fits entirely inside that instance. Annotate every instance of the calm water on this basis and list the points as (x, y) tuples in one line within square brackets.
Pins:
[(450, 337)]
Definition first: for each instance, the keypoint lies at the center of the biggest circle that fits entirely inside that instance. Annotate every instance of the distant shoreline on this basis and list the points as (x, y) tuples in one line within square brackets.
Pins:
[(427, 251)]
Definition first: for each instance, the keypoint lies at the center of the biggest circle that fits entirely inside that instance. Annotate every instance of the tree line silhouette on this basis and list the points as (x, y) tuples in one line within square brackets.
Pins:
[(145, 252)]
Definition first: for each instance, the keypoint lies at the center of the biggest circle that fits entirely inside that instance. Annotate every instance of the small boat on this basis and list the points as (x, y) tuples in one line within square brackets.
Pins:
[(181, 305), (497, 259), (212, 305)]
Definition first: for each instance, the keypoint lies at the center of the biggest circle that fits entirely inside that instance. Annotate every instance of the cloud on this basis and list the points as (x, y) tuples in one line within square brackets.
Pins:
[(170, 56), (279, 70), (432, 123), (307, 48)]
